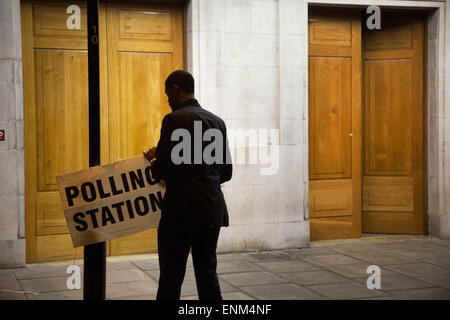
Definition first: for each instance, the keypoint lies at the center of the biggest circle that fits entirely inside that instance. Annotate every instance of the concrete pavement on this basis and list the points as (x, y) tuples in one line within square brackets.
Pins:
[(412, 267)]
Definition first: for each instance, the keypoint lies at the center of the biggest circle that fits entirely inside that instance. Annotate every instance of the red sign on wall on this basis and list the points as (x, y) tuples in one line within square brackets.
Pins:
[(2, 135)]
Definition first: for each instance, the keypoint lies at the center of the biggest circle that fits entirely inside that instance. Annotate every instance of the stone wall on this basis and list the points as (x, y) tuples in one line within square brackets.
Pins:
[(12, 201)]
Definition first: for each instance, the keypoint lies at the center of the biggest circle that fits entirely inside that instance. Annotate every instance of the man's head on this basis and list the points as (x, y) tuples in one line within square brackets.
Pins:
[(179, 87)]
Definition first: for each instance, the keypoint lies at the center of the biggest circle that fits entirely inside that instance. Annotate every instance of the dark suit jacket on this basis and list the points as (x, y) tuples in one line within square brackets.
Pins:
[(192, 190)]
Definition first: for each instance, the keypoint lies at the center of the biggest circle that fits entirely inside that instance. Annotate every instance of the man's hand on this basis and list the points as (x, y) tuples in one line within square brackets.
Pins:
[(150, 154)]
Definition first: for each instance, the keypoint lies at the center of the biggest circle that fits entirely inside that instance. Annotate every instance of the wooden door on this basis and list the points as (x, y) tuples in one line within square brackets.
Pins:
[(145, 45), (55, 121), (334, 126), (393, 126)]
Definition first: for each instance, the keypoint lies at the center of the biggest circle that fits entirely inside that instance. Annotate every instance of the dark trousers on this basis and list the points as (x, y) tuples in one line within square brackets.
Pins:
[(175, 239)]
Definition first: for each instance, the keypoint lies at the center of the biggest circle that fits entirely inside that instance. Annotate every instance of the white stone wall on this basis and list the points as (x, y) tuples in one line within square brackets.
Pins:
[(12, 201), (249, 59)]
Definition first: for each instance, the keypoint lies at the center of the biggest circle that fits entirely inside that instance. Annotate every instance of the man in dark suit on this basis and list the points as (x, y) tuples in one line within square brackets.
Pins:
[(193, 208)]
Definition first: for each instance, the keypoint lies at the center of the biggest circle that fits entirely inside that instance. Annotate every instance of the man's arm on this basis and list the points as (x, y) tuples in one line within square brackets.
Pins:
[(227, 168), (161, 163)]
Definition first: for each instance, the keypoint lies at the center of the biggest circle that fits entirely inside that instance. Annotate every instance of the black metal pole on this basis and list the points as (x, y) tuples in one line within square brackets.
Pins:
[(94, 279)]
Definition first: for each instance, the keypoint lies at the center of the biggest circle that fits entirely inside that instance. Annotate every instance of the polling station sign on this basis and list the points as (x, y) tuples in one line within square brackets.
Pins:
[(110, 201)]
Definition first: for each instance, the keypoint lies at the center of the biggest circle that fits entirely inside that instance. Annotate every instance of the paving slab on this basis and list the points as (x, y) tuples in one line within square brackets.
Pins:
[(147, 264), (399, 282), (114, 276), (281, 291), (8, 281), (268, 256), (440, 261), (421, 294), (58, 295), (419, 252), (235, 256), (437, 280), (12, 295), (226, 287), (236, 295), (418, 269), (386, 297), (189, 287), (345, 290), (287, 266), (299, 253), (330, 259), (194, 297), (251, 278), (9, 286), (353, 252), (381, 259), (119, 265), (355, 270), (236, 266), (44, 285), (313, 277), (437, 245), (154, 274), (41, 271), (132, 289), (144, 297)]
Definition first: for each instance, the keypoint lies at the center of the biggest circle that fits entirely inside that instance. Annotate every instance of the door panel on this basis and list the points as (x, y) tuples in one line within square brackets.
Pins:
[(62, 110), (388, 194), (144, 47), (334, 126), (388, 117), (330, 82), (393, 126), (143, 120)]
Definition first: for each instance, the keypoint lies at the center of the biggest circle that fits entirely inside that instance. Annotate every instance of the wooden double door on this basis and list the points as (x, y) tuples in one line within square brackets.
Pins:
[(366, 136), (140, 45)]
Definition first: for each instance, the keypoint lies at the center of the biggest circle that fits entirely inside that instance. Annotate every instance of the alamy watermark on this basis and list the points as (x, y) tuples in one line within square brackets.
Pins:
[(250, 146), (73, 22), (74, 280), (374, 281), (374, 21)]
